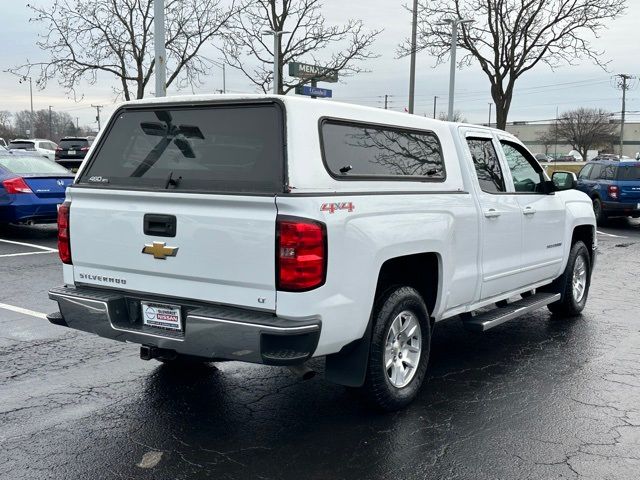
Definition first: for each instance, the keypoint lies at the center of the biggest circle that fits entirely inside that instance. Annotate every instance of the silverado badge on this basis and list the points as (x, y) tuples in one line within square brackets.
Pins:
[(160, 250)]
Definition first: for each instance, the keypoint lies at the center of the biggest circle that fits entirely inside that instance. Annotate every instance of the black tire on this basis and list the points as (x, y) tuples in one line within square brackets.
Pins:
[(568, 306), (378, 387), (601, 217)]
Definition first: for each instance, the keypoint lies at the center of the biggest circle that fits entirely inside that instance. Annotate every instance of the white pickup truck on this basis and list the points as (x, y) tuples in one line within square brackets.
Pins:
[(271, 229)]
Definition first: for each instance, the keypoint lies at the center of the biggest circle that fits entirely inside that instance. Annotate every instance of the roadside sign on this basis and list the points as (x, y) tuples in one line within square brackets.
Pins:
[(314, 91), (321, 74)]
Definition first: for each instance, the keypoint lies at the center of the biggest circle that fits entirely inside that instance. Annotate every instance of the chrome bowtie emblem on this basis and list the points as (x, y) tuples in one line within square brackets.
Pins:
[(159, 250)]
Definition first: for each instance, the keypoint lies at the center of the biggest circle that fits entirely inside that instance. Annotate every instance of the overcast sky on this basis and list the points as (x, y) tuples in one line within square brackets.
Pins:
[(537, 96)]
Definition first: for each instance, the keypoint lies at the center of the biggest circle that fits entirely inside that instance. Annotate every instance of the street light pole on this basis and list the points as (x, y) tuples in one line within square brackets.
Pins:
[(489, 122), (452, 70), (50, 134), (160, 51), (412, 69), (435, 101), (33, 135), (276, 57)]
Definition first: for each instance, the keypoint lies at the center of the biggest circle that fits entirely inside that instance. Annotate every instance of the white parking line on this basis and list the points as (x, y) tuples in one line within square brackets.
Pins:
[(610, 234), (32, 245), (26, 253), (24, 311)]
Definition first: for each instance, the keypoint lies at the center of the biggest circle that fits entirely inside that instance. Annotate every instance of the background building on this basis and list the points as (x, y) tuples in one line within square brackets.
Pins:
[(539, 138)]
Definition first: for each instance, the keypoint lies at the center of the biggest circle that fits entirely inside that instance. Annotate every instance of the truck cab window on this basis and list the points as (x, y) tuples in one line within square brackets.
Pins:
[(526, 177), (487, 165)]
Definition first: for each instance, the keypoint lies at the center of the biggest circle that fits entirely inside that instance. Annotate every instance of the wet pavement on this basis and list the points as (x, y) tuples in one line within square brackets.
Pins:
[(538, 397)]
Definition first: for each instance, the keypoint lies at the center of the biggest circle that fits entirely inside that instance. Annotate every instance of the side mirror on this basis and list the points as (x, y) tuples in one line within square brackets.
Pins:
[(564, 180)]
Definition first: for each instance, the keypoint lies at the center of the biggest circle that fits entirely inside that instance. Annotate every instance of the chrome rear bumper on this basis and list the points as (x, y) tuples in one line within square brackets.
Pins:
[(211, 332)]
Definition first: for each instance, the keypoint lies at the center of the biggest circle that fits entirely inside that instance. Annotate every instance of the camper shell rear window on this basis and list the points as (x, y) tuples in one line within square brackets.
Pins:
[(227, 148)]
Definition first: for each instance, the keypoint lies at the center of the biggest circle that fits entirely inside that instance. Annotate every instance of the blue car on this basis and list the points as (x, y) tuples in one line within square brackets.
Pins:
[(614, 188), (31, 188)]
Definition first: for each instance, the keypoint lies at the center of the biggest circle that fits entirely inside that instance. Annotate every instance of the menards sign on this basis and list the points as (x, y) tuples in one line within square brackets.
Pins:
[(321, 74)]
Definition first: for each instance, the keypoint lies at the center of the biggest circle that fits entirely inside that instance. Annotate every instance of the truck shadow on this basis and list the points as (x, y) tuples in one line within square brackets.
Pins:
[(239, 419)]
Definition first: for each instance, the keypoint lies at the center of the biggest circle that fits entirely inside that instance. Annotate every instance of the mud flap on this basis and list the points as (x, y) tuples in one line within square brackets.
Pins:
[(348, 367)]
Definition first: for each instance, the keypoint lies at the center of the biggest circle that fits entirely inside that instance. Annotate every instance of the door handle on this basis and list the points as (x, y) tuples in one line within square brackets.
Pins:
[(529, 211), (492, 213), (158, 225)]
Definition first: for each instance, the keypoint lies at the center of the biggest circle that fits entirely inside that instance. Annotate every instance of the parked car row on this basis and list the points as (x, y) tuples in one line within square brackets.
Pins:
[(69, 152)]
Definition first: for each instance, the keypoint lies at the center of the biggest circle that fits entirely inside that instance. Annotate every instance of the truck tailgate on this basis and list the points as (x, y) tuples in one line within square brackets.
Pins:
[(225, 245)]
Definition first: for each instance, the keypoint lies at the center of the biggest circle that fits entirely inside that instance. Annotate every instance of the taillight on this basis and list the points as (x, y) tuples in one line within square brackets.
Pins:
[(301, 254), (64, 238), (16, 185), (84, 149), (613, 191), (59, 149)]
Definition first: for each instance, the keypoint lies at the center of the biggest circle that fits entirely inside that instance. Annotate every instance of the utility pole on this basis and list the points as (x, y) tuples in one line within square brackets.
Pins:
[(623, 84), (386, 99), (489, 122), (160, 51), (277, 34), (555, 149), (98, 108), (50, 133), (454, 22), (33, 134), (435, 102), (412, 68)]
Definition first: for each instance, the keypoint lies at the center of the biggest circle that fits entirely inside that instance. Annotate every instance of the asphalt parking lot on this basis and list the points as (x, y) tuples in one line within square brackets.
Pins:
[(536, 398)]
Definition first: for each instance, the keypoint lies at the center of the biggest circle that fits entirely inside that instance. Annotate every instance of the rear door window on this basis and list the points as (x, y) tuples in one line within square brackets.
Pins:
[(354, 151), (487, 165), (609, 172), (216, 148)]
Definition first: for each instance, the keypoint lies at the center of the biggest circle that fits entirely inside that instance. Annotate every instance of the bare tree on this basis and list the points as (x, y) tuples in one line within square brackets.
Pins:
[(510, 37), (309, 35), (547, 137), (87, 38), (6, 127), (457, 116), (586, 128)]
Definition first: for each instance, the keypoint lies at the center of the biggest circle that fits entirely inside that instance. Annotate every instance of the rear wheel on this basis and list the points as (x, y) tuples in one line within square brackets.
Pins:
[(399, 353), (573, 285), (597, 210)]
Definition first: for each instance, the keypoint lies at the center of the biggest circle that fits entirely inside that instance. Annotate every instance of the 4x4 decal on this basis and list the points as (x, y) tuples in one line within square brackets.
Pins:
[(332, 207)]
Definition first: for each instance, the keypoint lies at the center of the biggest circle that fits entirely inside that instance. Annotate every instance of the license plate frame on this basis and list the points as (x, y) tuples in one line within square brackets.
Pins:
[(72, 152), (162, 316)]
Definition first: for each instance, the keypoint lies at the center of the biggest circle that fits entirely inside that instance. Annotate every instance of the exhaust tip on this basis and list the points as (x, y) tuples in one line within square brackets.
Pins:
[(302, 371)]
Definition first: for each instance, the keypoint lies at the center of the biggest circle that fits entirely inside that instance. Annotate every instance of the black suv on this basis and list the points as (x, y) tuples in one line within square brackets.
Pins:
[(72, 150)]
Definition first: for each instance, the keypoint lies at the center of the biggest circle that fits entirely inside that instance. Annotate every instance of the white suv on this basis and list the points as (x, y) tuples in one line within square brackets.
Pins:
[(46, 148)]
